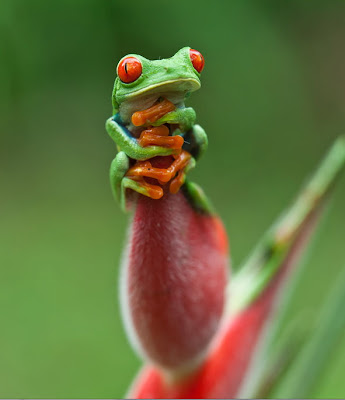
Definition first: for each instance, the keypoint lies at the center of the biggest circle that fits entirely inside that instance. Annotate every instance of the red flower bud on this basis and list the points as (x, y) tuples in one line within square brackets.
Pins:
[(173, 281)]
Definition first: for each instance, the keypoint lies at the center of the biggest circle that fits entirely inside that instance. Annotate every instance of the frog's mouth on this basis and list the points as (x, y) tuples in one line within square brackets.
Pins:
[(174, 90)]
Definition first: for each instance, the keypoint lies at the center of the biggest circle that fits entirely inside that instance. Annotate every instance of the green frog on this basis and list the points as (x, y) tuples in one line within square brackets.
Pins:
[(150, 120)]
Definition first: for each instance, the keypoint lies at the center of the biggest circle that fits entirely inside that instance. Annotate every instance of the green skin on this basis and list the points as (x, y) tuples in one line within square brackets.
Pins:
[(174, 78)]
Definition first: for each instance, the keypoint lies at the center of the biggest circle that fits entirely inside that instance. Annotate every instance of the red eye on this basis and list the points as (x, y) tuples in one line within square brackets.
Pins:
[(129, 69), (197, 60)]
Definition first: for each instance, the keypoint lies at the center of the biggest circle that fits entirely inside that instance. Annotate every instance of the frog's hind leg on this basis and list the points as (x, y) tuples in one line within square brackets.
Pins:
[(120, 182), (180, 178), (139, 185), (118, 169), (197, 198)]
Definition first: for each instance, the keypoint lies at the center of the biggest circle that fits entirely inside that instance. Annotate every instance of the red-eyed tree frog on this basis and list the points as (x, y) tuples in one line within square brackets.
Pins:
[(166, 127)]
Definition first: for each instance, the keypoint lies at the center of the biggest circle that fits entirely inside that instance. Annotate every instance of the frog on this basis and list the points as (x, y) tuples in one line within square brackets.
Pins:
[(163, 84)]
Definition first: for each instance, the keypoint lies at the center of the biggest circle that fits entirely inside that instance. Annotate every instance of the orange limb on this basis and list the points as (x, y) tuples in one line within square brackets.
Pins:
[(177, 182), (152, 114), (144, 168), (161, 130), (180, 162), (153, 191), (163, 175), (159, 136)]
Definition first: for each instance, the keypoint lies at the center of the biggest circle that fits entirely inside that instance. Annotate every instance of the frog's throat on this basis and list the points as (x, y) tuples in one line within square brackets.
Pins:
[(174, 90)]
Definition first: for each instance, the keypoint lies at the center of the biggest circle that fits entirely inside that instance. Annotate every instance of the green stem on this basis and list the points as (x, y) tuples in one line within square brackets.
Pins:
[(266, 259)]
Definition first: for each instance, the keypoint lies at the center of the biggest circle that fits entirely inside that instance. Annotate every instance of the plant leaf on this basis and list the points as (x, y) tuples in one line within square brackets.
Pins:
[(270, 253), (302, 378)]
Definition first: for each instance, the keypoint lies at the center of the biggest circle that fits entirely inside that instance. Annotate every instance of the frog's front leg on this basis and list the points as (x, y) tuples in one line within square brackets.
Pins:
[(120, 182), (195, 138), (195, 144), (130, 145), (184, 117)]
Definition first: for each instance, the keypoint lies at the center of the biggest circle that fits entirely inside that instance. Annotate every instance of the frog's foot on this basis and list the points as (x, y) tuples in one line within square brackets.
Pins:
[(138, 184), (159, 136), (152, 114), (177, 182), (182, 164), (183, 117), (145, 168), (134, 178), (163, 175)]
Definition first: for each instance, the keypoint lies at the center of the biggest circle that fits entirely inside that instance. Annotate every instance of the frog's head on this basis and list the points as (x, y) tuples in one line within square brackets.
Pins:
[(140, 82)]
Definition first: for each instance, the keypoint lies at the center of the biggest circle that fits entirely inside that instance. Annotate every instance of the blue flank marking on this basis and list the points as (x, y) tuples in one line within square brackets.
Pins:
[(119, 121)]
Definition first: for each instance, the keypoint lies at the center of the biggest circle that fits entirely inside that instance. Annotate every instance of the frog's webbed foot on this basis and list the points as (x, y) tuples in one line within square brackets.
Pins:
[(165, 112), (183, 117), (120, 182), (180, 178), (159, 136), (145, 169), (177, 182), (176, 172), (181, 165), (139, 185), (152, 114)]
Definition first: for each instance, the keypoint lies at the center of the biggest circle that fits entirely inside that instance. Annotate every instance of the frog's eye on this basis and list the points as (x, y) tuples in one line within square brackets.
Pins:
[(129, 69), (197, 59)]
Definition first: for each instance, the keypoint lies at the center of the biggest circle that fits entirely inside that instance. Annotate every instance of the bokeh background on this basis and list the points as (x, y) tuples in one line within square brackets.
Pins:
[(272, 101)]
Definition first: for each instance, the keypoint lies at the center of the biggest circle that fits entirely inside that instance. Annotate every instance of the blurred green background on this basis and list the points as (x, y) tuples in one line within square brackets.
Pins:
[(272, 102)]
